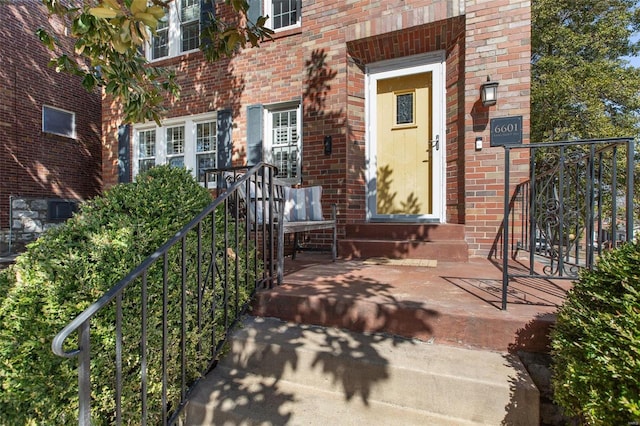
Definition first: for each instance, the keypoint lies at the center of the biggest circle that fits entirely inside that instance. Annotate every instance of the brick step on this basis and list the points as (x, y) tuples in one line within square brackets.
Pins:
[(328, 305), (360, 248), (405, 231)]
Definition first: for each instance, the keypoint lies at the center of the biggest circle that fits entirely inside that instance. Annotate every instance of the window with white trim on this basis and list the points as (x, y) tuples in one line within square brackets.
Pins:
[(146, 150), (282, 140), (58, 122), (206, 141), (178, 31), (189, 142), (175, 146), (283, 14)]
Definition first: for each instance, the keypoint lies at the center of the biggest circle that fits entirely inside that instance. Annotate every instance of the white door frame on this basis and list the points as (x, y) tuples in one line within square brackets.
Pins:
[(433, 62)]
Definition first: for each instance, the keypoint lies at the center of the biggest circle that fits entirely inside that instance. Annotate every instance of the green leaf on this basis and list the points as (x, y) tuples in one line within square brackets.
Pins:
[(45, 38)]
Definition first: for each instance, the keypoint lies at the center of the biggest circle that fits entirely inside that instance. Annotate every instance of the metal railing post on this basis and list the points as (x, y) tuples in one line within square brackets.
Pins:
[(533, 226), (614, 197), (84, 375), (630, 183), (505, 231)]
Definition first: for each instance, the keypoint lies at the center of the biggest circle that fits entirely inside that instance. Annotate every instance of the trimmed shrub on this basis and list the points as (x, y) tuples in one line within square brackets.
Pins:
[(596, 342), (71, 266)]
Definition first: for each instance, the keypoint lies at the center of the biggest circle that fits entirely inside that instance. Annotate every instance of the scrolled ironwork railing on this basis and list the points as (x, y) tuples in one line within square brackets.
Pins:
[(171, 315), (577, 202)]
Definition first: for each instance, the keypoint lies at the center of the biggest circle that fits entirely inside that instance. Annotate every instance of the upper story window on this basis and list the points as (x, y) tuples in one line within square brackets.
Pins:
[(189, 142), (178, 31), (58, 121), (283, 14), (190, 24)]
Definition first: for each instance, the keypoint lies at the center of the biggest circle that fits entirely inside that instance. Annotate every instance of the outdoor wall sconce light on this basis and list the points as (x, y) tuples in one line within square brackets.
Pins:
[(489, 92)]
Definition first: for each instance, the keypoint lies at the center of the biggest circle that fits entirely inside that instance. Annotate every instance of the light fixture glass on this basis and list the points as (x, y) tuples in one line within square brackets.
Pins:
[(489, 92)]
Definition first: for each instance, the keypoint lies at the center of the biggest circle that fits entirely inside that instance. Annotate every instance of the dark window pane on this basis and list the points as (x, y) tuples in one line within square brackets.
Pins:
[(146, 165), (58, 122), (284, 13)]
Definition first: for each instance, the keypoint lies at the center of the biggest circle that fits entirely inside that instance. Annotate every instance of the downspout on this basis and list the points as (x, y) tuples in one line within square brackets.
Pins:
[(10, 221)]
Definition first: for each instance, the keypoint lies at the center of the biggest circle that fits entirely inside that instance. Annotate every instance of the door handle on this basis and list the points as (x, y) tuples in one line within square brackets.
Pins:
[(436, 143)]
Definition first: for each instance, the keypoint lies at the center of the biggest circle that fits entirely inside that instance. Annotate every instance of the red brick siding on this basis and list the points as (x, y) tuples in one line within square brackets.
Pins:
[(33, 163), (498, 45), (322, 64)]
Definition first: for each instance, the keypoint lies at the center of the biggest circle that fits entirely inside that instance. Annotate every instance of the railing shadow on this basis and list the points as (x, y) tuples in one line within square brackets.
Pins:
[(542, 291)]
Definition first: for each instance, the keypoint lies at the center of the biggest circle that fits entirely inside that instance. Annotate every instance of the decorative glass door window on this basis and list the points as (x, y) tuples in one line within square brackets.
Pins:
[(175, 146), (405, 108), (146, 150)]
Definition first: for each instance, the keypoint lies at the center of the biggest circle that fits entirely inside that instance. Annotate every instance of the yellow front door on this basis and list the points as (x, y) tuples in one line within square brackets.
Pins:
[(404, 158)]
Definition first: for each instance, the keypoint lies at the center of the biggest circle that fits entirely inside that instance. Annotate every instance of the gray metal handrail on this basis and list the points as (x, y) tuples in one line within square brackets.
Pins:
[(561, 205), (262, 276)]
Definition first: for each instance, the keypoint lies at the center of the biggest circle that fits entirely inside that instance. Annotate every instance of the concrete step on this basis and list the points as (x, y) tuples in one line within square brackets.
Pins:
[(254, 400), (313, 375), (360, 248)]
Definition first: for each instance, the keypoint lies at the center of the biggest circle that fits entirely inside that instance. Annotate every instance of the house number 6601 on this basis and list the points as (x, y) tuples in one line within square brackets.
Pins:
[(506, 128)]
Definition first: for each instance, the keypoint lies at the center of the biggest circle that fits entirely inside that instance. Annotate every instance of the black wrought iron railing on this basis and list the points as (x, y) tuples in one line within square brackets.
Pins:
[(577, 202), (171, 315)]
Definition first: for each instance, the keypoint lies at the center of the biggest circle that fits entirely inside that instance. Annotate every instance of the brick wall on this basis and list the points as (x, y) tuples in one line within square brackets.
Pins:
[(498, 43), (322, 64), (35, 164)]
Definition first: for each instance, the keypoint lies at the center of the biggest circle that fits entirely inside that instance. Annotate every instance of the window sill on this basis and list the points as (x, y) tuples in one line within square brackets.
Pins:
[(286, 33), (180, 57)]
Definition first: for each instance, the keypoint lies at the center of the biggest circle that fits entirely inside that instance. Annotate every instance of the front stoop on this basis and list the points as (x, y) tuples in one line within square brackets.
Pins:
[(401, 241), (281, 373)]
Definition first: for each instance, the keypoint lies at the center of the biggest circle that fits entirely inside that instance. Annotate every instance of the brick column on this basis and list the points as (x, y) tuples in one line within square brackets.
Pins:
[(498, 44)]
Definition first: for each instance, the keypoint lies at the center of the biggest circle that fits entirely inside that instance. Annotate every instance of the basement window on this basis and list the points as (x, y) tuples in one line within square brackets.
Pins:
[(58, 122), (60, 210)]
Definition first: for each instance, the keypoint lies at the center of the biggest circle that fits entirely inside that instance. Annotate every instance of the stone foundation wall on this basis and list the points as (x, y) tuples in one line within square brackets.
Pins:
[(29, 219)]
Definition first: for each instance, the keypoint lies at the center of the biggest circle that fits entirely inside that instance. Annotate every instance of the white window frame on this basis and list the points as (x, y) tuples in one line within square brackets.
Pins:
[(269, 111), (189, 153), (149, 155), (47, 129), (268, 10), (174, 33)]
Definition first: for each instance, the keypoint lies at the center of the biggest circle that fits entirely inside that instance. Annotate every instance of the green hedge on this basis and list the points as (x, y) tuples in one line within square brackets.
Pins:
[(71, 266), (596, 342)]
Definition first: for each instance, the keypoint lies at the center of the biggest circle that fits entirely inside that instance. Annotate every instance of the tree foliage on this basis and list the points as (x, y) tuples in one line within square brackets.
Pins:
[(110, 37), (582, 87)]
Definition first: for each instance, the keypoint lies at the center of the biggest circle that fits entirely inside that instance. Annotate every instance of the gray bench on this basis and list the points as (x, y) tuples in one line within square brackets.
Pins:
[(297, 209)]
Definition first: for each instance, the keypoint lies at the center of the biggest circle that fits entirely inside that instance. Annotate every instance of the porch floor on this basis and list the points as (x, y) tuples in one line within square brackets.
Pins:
[(454, 303)]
